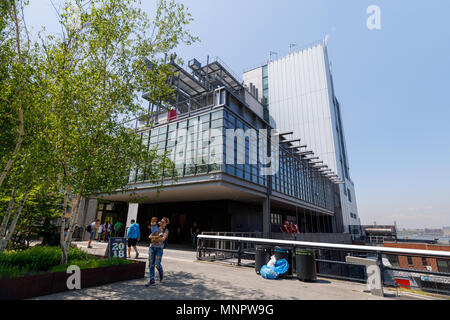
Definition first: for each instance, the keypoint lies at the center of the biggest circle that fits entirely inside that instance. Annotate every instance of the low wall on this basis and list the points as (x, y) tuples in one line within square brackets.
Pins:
[(50, 283)]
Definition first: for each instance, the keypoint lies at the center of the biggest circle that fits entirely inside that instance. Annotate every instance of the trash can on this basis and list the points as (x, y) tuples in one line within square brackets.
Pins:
[(306, 265), (284, 253), (262, 257)]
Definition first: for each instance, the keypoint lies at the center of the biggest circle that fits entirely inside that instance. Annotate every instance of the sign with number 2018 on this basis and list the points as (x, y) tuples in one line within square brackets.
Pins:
[(117, 247)]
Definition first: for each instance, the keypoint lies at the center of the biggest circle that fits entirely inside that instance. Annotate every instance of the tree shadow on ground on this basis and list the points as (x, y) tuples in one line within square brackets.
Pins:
[(176, 286)]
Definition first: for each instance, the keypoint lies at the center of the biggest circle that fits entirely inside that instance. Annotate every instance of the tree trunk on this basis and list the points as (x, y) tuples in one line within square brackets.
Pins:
[(21, 122), (73, 220), (7, 216), (67, 239), (63, 227), (12, 227)]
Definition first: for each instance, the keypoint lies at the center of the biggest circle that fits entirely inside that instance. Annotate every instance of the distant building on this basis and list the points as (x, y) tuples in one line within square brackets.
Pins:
[(419, 263), (379, 234), (446, 231), (434, 232)]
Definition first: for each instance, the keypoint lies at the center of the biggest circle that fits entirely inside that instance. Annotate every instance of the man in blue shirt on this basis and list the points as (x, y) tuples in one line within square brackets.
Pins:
[(133, 236)]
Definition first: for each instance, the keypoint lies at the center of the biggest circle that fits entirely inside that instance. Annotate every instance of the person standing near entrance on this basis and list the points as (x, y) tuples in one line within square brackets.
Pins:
[(107, 230), (117, 228), (195, 231), (133, 236), (157, 246)]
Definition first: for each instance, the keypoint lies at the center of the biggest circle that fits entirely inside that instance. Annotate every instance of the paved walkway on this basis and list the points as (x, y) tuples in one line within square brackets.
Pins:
[(187, 279)]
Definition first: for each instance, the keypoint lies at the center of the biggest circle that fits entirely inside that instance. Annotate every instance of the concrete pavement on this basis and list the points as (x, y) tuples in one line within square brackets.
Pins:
[(187, 279)]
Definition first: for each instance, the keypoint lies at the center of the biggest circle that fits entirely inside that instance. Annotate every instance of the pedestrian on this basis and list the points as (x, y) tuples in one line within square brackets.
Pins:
[(92, 229), (117, 229), (195, 231), (99, 232), (133, 236), (107, 230), (156, 250)]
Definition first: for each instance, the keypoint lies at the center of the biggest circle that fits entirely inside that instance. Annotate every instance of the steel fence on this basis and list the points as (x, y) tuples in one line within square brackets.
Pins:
[(240, 249)]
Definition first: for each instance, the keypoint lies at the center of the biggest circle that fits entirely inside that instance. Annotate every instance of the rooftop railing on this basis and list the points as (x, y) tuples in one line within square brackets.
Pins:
[(331, 260)]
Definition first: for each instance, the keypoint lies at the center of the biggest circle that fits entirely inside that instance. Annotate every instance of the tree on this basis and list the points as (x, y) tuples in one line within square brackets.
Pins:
[(23, 103), (94, 76), (42, 206)]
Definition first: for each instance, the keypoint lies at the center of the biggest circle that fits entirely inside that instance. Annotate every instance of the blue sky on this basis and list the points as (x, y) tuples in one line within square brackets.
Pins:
[(392, 83)]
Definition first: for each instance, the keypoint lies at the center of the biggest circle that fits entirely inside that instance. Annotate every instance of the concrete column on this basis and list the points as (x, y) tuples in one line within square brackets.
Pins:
[(82, 212), (89, 215), (132, 213)]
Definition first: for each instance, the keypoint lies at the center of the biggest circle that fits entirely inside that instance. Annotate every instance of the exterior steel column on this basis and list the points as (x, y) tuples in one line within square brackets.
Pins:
[(304, 221), (267, 226)]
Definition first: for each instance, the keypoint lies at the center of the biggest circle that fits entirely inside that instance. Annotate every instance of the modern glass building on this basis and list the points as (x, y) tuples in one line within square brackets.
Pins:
[(218, 135), (298, 94)]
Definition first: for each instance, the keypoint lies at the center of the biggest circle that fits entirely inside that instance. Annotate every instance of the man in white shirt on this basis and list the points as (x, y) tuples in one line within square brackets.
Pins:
[(94, 226)]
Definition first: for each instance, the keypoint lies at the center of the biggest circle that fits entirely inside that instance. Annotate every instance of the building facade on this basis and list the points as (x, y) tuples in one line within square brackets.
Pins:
[(419, 262), (298, 97), (220, 178)]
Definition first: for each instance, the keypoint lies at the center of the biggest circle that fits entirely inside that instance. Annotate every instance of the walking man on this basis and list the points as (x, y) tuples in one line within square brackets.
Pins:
[(93, 229), (133, 236)]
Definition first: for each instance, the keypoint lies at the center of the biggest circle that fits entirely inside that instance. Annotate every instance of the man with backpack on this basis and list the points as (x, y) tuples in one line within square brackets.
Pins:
[(92, 229), (133, 235)]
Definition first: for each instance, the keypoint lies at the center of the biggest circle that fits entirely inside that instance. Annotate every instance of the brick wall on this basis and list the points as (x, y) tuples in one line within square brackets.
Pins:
[(417, 261)]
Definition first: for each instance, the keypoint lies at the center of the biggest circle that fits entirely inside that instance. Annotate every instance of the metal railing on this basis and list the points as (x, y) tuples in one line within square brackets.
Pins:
[(330, 259)]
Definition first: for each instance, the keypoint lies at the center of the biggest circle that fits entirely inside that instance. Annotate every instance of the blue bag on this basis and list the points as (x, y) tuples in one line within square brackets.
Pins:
[(281, 267), (273, 273)]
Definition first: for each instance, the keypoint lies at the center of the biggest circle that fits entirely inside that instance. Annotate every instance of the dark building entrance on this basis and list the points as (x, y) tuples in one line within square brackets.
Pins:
[(211, 216)]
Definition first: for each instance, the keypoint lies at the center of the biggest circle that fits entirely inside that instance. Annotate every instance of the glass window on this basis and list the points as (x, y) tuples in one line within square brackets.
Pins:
[(231, 169), (265, 71), (410, 261), (217, 115), (204, 118), (443, 266), (182, 125), (215, 167), (172, 127), (393, 260), (153, 139), (424, 262), (217, 123)]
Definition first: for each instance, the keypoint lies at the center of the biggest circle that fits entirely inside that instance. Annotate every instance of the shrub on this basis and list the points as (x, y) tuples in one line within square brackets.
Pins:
[(39, 258), (43, 259), (7, 271)]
